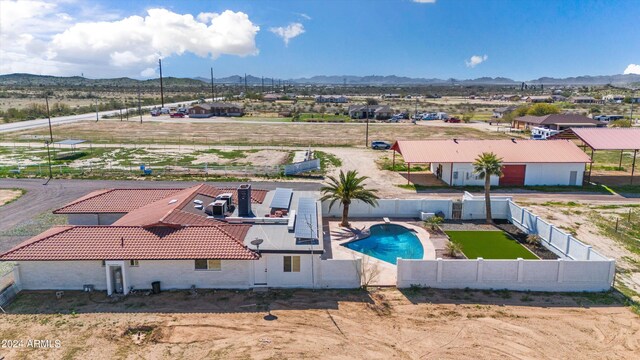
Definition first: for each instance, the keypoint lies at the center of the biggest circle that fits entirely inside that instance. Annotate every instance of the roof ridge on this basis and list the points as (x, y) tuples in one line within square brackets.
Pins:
[(63, 229), (183, 202)]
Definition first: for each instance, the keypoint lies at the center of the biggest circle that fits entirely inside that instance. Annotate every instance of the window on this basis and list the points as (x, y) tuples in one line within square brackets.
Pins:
[(213, 265), (292, 264), (133, 263)]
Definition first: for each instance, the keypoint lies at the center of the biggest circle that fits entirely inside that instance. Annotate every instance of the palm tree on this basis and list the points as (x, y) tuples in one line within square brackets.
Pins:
[(487, 165), (346, 188)]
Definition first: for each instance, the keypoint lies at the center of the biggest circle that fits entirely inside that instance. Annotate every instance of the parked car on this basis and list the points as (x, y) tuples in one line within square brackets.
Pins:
[(430, 116), (155, 112), (453, 120), (380, 145), (177, 115)]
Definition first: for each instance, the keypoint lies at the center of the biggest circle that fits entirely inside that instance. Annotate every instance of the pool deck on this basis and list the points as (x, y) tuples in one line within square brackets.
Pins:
[(382, 272)]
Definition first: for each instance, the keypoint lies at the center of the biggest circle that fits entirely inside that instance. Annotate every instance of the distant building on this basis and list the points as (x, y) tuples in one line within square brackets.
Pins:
[(539, 99), (215, 109), (500, 112), (332, 99), (556, 121), (379, 112), (391, 96), (583, 100), (278, 97), (558, 98), (613, 98)]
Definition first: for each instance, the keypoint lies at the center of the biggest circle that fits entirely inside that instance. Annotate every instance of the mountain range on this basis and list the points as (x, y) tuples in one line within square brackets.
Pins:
[(45, 80)]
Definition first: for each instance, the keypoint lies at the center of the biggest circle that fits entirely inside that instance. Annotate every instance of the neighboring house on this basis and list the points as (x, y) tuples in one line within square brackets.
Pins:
[(378, 112), (391, 96), (555, 121), (500, 112), (583, 100), (539, 99), (558, 98), (279, 97), (215, 109), (333, 99), (525, 162), (613, 98), (201, 236)]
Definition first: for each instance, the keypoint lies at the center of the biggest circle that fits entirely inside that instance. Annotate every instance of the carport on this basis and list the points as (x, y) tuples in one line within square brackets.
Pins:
[(616, 139)]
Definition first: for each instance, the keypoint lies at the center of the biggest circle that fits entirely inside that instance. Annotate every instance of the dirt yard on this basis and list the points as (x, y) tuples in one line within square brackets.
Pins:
[(247, 133), (8, 195), (379, 324)]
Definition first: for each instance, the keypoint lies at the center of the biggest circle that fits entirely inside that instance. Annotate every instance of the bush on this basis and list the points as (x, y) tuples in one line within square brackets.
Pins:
[(453, 249), (433, 222), (533, 240)]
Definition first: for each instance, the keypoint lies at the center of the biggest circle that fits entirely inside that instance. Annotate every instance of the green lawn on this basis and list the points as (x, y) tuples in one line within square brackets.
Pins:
[(489, 245)]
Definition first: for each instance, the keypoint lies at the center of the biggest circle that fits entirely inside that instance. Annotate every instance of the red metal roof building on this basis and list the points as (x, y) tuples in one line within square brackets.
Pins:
[(526, 162)]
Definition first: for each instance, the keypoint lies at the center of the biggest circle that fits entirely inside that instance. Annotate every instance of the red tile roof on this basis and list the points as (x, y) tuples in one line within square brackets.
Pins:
[(114, 201), (511, 152), (128, 243), (127, 200)]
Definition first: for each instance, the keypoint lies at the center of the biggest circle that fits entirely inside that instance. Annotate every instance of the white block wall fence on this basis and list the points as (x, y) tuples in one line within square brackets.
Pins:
[(579, 268)]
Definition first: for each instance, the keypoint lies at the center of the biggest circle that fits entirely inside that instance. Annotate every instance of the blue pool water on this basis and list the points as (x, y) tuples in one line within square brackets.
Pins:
[(389, 242)]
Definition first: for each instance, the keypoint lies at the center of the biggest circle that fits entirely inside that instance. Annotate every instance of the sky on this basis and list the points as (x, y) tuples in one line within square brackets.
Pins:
[(461, 39)]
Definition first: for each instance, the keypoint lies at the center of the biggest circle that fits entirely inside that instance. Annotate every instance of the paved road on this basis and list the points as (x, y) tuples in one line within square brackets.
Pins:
[(31, 124), (40, 198)]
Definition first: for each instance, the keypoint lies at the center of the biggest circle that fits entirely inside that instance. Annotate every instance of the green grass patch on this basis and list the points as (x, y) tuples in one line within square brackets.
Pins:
[(327, 160), (489, 245)]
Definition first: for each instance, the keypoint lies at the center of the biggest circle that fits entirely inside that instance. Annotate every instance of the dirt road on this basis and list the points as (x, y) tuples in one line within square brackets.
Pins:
[(381, 324)]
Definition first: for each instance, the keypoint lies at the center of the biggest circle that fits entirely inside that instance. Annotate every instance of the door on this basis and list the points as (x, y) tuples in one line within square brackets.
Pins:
[(513, 175), (260, 272), (116, 277), (573, 177)]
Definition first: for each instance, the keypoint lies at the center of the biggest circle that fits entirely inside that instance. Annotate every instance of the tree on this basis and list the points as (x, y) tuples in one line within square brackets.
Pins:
[(542, 109), (487, 165), (346, 188), (434, 222), (371, 101), (468, 116), (453, 249)]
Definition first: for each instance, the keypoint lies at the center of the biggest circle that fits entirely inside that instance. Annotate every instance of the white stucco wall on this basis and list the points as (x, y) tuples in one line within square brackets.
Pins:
[(552, 174), (276, 277), (62, 275), (536, 174), (391, 208), (94, 219), (181, 274), (337, 274)]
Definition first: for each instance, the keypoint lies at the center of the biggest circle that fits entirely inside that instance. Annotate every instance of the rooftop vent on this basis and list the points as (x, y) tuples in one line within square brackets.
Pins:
[(216, 208), (199, 202), (173, 201)]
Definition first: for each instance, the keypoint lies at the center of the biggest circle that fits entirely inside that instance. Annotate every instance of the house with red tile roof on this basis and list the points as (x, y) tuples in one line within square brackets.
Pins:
[(202, 236)]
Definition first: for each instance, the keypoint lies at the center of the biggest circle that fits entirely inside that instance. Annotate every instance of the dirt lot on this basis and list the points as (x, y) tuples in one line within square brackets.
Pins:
[(244, 133), (8, 195), (379, 324)]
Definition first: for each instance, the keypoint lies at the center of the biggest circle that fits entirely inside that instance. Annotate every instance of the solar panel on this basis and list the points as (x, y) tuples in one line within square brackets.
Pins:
[(306, 226), (281, 198)]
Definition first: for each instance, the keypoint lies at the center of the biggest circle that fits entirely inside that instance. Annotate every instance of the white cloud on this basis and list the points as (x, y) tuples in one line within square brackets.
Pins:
[(148, 73), (287, 33), (305, 16), (50, 41), (632, 69), (425, 1), (476, 60)]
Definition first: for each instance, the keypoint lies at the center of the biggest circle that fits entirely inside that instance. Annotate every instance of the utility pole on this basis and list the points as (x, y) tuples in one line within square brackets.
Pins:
[(161, 87), (262, 87), (46, 99), (213, 92), (126, 108), (139, 107), (271, 84), (48, 157), (245, 84), (633, 94), (96, 109)]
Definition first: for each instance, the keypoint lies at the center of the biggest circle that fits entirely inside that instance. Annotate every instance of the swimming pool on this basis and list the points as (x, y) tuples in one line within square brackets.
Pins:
[(388, 242)]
